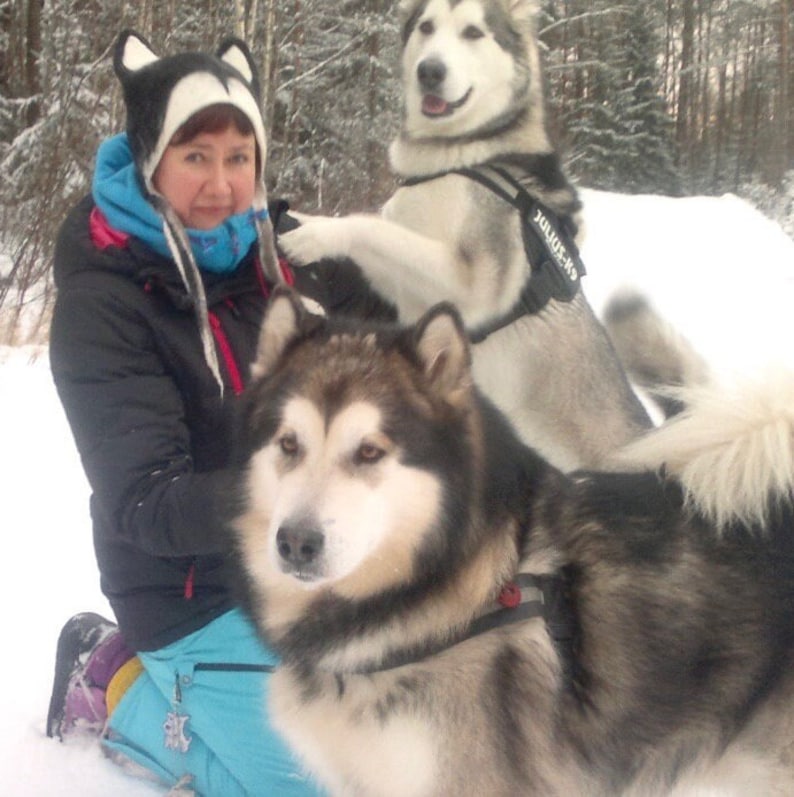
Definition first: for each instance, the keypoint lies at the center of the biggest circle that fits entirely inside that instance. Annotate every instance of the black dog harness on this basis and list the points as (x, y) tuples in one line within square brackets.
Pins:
[(556, 268)]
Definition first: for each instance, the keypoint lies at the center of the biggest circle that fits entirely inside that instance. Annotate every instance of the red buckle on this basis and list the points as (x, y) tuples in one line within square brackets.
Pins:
[(510, 596)]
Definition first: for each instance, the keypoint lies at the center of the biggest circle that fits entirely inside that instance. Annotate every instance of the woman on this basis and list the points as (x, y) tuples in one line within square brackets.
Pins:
[(163, 274)]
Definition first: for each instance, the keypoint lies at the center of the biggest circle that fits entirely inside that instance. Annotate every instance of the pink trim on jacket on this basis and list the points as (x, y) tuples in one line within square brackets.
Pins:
[(102, 234), (227, 353)]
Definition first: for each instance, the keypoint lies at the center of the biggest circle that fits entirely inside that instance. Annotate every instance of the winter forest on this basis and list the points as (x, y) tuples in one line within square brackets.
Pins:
[(675, 97)]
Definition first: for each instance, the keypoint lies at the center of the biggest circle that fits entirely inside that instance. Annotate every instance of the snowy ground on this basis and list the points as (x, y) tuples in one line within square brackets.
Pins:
[(49, 574), (717, 268)]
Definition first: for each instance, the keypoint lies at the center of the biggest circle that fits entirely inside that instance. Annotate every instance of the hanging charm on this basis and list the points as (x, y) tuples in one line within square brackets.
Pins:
[(176, 737)]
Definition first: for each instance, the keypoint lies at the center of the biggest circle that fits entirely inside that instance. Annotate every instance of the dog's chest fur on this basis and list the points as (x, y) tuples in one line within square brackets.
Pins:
[(388, 734), (482, 231), (359, 736)]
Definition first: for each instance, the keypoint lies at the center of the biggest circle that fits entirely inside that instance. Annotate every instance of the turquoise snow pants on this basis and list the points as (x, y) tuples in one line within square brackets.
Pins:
[(198, 710)]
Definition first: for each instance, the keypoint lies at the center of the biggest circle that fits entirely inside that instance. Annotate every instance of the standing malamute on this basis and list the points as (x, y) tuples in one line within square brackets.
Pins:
[(457, 617), (486, 219)]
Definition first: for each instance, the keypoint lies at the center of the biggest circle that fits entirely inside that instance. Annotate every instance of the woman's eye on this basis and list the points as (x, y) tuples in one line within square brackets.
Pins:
[(471, 32), (426, 27)]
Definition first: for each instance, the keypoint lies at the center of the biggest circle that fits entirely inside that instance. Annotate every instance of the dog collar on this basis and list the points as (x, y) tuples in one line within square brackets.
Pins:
[(546, 596), (556, 267), (527, 596), (519, 599), (524, 597)]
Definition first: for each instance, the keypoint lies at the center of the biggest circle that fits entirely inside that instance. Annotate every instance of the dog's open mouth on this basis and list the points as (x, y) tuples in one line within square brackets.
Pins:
[(433, 105)]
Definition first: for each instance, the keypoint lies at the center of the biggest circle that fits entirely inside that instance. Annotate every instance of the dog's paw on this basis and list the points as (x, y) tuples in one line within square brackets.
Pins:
[(316, 238)]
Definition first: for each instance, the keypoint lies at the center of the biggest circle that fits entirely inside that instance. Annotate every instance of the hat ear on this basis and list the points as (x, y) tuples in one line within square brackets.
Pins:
[(132, 52), (235, 52)]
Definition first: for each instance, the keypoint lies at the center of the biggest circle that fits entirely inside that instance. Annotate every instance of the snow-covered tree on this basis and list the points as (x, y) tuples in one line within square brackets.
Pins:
[(645, 95), (331, 99), (335, 103), (606, 94)]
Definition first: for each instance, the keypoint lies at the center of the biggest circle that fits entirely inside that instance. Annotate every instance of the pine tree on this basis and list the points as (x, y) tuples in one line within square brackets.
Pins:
[(617, 128), (593, 124), (648, 148)]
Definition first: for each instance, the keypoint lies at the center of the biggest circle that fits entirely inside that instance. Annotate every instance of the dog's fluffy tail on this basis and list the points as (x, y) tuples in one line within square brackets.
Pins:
[(732, 449), (656, 357)]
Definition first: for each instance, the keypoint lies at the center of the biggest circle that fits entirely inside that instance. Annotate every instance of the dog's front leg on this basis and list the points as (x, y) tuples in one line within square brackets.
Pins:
[(410, 269), (317, 237)]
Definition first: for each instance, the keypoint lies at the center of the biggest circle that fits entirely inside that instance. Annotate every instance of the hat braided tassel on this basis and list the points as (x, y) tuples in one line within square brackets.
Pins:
[(179, 245), (267, 237)]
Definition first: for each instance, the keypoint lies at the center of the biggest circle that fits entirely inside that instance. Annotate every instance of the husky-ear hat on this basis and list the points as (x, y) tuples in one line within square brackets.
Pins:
[(161, 94)]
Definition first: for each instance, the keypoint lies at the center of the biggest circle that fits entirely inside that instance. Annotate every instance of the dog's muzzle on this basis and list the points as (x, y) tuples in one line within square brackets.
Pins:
[(300, 548), (431, 73)]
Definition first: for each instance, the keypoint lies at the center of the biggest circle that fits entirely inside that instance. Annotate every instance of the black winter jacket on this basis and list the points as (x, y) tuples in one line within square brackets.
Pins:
[(153, 433)]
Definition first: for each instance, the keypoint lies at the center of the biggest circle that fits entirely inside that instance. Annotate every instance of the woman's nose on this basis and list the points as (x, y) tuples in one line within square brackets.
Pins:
[(218, 179)]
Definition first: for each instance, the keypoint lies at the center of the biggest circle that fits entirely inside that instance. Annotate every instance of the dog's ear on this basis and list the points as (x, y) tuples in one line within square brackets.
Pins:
[(443, 350), (523, 9), (289, 316), (406, 7)]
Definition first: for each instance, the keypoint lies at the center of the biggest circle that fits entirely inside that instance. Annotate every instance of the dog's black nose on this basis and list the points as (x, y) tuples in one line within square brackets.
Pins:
[(431, 73), (299, 545)]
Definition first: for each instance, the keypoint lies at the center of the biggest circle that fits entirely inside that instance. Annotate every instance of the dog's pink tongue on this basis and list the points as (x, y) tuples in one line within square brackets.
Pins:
[(433, 105)]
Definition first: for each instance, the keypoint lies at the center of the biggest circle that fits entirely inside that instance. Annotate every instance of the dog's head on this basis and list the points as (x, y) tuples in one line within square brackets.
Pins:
[(354, 439), (469, 66)]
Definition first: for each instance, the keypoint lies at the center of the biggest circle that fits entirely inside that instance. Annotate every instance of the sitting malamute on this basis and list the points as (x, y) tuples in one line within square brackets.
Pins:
[(486, 219), (457, 617)]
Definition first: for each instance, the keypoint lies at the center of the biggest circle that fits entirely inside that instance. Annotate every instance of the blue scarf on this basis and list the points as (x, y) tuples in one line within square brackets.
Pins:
[(117, 193)]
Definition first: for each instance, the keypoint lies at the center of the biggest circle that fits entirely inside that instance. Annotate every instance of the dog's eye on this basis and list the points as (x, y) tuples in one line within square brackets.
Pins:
[(288, 443), (368, 454), (471, 32), (427, 27)]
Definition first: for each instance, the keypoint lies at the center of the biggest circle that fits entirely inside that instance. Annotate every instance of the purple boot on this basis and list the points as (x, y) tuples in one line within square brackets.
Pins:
[(90, 651)]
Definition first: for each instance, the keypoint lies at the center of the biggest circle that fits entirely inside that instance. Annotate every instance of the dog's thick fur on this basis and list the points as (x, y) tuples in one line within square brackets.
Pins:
[(387, 503), (473, 95)]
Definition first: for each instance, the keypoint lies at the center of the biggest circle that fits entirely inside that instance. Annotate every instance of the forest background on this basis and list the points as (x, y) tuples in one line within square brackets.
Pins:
[(674, 97)]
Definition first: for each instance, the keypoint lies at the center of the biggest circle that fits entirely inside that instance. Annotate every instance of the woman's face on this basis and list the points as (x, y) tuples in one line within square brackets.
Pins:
[(208, 178)]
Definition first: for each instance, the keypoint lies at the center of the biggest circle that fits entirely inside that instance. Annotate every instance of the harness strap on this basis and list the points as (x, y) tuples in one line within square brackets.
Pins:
[(556, 267), (520, 600), (527, 596)]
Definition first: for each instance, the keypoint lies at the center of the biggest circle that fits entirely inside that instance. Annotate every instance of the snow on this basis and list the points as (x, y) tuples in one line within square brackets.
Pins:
[(49, 575), (716, 267)]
